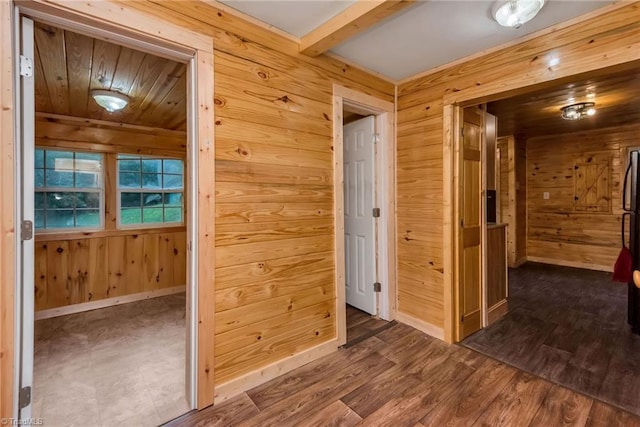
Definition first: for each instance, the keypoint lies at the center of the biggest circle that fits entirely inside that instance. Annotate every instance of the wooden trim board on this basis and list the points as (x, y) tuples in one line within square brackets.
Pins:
[(109, 302), (260, 376), (385, 162), (421, 325), (355, 19), (7, 203), (497, 311), (450, 117), (205, 245), (553, 261)]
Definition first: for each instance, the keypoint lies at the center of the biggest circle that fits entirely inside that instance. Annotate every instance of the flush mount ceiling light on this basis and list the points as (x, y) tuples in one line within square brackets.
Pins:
[(514, 13), (578, 111), (109, 100)]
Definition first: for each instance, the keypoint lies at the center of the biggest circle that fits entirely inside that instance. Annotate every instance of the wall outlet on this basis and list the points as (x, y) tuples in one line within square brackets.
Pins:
[(545, 195)]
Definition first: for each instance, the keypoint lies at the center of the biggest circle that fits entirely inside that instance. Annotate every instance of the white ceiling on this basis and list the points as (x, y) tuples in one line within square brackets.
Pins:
[(424, 36), (296, 17)]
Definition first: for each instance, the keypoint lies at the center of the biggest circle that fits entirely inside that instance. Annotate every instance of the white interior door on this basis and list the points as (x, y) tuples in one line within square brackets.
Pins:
[(359, 223), (26, 132)]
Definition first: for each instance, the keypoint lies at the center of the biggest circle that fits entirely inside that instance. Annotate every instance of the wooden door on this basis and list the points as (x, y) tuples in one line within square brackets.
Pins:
[(471, 218), (359, 223)]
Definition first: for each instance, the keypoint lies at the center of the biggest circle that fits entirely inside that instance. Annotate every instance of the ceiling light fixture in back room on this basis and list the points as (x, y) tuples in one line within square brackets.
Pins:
[(110, 100), (514, 13), (578, 111)]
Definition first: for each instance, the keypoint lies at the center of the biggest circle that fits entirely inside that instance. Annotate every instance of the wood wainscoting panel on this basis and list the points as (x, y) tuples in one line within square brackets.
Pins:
[(82, 270)]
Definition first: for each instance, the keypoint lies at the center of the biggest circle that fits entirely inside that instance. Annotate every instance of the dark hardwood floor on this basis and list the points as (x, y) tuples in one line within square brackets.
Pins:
[(361, 325), (402, 377), (569, 326)]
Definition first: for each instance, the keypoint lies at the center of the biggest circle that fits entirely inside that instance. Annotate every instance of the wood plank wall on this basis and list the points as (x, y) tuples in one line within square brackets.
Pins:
[(513, 166), (275, 290), (607, 39), (88, 269), (522, 190), (558, 233), (78, 267)]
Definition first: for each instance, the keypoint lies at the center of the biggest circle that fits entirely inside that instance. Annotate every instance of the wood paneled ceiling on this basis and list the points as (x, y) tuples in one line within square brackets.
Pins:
[(617, 99), (69, 65)]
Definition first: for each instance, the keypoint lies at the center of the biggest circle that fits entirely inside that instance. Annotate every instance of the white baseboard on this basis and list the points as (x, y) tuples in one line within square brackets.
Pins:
[(260, 376), (103, 303), (421, 325), (563, 263)]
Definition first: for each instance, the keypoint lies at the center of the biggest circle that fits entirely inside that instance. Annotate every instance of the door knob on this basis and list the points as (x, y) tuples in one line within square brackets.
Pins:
[(636, 278)]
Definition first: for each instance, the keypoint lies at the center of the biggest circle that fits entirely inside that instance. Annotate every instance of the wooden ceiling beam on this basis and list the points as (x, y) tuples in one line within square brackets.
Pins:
[(362, 15)]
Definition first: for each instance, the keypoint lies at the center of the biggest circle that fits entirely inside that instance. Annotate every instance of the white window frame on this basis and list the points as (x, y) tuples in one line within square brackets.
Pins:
[(162, 191), (46, 189)]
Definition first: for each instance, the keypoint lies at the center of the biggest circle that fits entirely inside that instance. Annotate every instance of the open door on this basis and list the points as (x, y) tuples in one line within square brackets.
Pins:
[(470, 226), (25, 294), (359, 220)]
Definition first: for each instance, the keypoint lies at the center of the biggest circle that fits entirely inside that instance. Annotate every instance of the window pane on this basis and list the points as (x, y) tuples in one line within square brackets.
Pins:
[(152, 215), (39, 158), (173, 200), (39, 181), (39, 219), (173, 215), (130, 216), (39, 200), (172, 182), (130, 200), (59, 179), (88, 218), (59, 218), (129, 165), (151, 180), (151, 165), (87, 180), (151, 199), (59, 160), (88, 200), (60, 200), (172, 166), (129, 180)]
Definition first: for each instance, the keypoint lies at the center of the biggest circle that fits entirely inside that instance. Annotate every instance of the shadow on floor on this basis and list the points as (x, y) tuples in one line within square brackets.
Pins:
[(569, 326)]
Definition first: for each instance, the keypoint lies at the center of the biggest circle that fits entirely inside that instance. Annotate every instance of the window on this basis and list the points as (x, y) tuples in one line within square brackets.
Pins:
[(150, 190), (68, 190)]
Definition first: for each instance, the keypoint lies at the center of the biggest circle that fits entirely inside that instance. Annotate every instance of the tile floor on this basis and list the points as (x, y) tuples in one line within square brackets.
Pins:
[(122, 365), (568, 326)]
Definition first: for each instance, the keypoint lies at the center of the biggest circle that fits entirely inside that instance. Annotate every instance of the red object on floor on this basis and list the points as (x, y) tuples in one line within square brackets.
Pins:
[(623, 268)]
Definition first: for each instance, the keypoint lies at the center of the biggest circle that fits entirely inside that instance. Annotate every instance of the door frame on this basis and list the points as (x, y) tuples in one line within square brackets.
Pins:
[(385, 187), (453, 103), (129, 27)]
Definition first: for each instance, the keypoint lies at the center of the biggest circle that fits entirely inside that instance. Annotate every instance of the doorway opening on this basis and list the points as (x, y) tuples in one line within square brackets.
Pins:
[(364, 213), (183, 46), (105, 327), (559, 190)]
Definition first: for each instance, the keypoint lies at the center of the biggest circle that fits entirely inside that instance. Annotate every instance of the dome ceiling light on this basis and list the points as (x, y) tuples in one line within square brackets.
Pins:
[(578, 111), (110, 100), (514, 13)]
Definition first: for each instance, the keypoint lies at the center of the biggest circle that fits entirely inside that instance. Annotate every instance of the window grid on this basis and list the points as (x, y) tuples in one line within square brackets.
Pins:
[(160, 181), (61, 163)]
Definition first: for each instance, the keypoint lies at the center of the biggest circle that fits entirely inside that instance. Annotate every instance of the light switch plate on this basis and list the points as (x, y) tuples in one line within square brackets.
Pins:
[(545, 195)]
